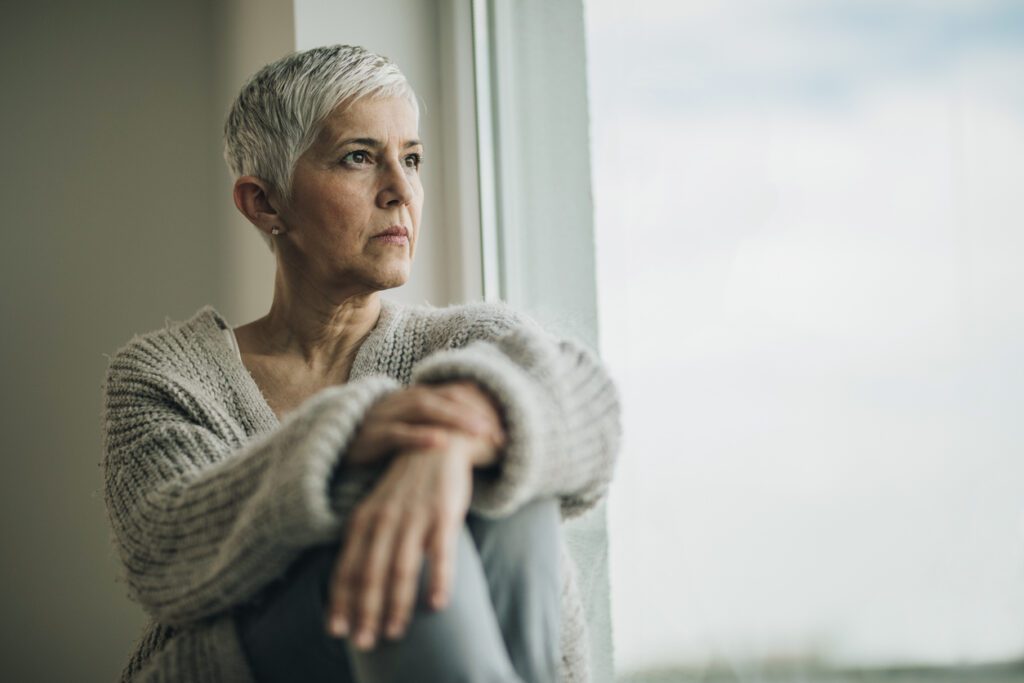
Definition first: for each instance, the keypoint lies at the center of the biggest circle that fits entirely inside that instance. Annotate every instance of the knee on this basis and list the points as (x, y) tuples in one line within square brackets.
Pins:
[(522, 545), (461, 643)]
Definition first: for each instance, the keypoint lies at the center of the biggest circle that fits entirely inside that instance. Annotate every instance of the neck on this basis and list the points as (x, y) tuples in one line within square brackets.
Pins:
[(324, 330)]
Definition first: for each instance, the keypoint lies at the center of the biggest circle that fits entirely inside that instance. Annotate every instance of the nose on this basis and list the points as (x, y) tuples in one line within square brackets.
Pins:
[(396, 189)]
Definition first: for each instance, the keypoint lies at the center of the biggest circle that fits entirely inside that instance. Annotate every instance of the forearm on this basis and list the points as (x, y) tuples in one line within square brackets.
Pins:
[(560, 410), (201, 527)]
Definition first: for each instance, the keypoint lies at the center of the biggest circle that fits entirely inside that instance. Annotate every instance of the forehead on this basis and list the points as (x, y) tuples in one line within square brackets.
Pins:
[(389, 119)]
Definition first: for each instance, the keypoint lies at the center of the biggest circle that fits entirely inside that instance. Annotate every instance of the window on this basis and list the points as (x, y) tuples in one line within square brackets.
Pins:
[(809, 242)]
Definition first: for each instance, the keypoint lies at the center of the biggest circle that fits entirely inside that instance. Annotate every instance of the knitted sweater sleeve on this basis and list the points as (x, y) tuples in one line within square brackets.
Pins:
[(202, 525), (559, 406)]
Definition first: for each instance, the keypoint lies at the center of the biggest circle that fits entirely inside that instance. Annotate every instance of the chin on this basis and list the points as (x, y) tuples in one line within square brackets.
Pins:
[(374, 277), (392, 279)]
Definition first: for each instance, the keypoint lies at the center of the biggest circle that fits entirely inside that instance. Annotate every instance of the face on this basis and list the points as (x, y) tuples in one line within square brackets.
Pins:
[(360, 178)]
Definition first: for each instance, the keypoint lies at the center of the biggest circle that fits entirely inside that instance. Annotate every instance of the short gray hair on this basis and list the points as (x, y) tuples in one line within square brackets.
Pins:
[(280, 110)]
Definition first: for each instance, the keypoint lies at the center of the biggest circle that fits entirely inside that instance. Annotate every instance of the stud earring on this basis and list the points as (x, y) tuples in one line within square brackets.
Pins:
[(275, 230)]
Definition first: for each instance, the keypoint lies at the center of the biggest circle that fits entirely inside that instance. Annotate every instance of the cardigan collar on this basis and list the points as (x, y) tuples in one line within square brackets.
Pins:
[(208, 325)]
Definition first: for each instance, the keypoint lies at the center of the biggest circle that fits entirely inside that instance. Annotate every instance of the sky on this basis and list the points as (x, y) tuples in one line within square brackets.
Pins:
[(809, 234)]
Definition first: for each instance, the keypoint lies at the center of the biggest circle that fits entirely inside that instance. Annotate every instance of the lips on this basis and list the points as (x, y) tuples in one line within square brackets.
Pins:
[(394, 231)]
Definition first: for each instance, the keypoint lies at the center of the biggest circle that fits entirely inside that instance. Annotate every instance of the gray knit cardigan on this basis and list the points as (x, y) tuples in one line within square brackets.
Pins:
[(211, 498)]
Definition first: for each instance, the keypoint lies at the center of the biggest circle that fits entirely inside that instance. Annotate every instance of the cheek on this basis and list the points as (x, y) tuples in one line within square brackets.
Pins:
[(416, 209), (344, 216)]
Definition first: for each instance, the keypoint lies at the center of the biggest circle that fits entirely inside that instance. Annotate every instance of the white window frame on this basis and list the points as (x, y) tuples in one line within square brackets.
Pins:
[(517, 130)]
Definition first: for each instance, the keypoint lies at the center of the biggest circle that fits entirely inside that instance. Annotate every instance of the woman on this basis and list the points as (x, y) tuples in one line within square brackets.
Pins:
[(348, 489)]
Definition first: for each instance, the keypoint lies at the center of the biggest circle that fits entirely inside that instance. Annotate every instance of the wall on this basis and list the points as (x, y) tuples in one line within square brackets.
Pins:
[(117, 215), (109, 153), (252, 33)]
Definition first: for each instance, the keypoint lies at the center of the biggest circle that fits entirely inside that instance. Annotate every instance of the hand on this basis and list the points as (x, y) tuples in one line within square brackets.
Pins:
[(417, 508), (472, 398), (422, 417)]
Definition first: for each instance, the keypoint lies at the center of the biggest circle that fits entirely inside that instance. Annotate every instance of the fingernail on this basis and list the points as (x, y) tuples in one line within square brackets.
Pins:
[(394, 629), (437, 600), (339, 626), (365, 640)]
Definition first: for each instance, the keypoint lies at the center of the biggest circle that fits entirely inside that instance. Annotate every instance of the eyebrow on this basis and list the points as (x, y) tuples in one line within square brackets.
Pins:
[(372, 142)]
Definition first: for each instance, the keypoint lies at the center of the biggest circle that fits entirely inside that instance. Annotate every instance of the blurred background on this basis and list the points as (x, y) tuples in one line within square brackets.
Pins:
[(803, 252), (810, 229)]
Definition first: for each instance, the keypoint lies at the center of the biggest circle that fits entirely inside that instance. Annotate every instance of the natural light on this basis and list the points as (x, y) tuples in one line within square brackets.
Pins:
[(809, 232)]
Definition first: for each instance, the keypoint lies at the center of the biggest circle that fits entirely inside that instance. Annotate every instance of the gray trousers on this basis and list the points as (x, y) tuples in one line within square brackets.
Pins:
[(501, 624)]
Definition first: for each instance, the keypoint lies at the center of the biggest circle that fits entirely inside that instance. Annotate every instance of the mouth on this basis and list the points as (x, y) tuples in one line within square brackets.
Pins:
[(396, 234), (394, 231)]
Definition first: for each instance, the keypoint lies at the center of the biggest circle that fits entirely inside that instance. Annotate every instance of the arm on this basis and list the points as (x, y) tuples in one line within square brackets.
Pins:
[(559, 407), (561, 433), (200, 525)]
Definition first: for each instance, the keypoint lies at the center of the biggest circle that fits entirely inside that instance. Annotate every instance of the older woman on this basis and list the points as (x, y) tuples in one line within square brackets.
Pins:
[(347, 489)]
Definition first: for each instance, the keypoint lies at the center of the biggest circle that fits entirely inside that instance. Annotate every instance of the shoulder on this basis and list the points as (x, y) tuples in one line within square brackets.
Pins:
[(178, 348)]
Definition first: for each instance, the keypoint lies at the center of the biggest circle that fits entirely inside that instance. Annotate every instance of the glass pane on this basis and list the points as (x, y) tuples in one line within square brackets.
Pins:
[(810, 237)]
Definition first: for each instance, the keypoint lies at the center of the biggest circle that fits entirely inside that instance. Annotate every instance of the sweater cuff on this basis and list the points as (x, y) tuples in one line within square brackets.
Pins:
[(519, 470), (305, 510)]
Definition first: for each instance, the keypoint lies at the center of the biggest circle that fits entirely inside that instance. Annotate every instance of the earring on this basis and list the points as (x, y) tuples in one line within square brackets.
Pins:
[(275, 230)]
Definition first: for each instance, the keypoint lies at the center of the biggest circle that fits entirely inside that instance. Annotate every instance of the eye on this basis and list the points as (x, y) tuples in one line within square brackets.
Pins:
[(413, 160), (357, 157)]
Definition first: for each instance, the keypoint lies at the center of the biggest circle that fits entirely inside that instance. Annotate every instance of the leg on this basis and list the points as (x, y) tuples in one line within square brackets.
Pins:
[(460, 644), (520, 556), (283, 633), (285, 640)]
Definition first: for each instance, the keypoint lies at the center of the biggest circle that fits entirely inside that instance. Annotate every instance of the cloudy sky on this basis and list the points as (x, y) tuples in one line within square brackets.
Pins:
[(810, 225)]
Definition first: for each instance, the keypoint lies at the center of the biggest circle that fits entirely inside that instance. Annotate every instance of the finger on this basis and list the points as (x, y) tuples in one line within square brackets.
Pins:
[(374, 575), (405, 574), (442, 564), (388, 437), (470, 397), (344, 577), (432, 407), (401, 436), (470, 400), (457, 396), (463, 391)]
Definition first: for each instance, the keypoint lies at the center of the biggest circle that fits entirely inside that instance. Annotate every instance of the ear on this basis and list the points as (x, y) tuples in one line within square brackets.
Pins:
[(257, 202)]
